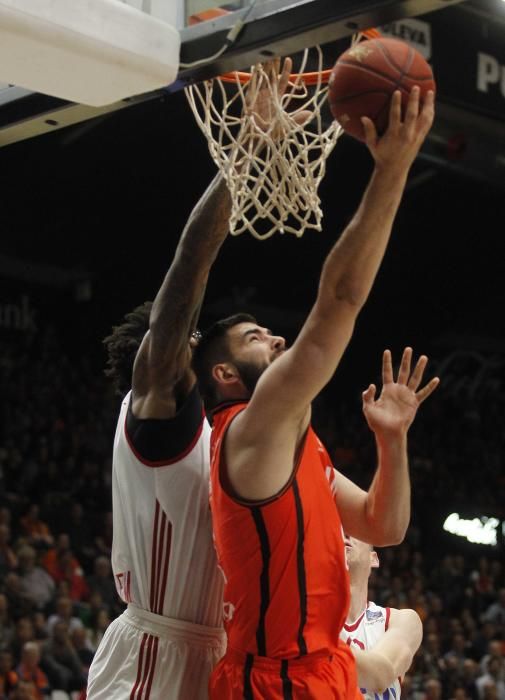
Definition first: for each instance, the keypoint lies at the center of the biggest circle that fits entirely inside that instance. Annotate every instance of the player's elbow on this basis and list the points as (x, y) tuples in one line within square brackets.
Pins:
[(389, 535), (394, 536)]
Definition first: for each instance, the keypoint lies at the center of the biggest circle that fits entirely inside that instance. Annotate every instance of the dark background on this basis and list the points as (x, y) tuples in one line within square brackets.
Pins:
[(111, 200)]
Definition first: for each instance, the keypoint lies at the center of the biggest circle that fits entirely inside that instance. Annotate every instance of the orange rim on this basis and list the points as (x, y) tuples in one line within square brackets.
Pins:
[(313, 78)]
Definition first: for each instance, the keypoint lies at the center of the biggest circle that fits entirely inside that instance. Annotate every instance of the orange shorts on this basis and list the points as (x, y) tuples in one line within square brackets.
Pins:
[(241, 676)]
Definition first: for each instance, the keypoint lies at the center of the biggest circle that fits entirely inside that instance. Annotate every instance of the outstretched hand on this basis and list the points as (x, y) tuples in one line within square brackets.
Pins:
[(395, 409), (264, 93), (400, 143)]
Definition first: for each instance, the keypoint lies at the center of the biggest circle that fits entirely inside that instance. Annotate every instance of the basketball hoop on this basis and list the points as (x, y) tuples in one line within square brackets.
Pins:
[(273, 172)]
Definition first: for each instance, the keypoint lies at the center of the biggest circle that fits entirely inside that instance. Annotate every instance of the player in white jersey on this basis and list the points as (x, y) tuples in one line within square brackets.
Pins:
[(169, 638), (384, 640)]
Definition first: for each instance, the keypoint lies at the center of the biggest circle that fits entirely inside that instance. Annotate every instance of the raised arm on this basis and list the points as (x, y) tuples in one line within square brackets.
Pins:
[(162, 366), (287, 388), (162, 375), (381, 515), (392, 656)]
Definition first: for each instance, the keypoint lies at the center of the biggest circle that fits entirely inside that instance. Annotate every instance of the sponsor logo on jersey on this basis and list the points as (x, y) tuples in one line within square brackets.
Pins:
[(373, 614)]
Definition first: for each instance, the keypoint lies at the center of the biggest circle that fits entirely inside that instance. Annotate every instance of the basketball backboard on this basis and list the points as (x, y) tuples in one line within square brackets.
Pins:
[(474, 28), (278, 28)]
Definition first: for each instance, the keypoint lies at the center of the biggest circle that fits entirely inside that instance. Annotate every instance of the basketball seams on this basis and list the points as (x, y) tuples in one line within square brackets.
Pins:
[(368, 79), (390, 59), (370, 69), (407, 69), (340, 102)]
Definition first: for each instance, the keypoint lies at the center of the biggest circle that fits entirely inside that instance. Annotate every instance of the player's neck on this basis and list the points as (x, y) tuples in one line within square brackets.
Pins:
[(359, 599)]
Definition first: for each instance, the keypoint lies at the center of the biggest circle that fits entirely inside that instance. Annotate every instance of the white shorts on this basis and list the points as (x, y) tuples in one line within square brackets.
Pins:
[(145, 656)]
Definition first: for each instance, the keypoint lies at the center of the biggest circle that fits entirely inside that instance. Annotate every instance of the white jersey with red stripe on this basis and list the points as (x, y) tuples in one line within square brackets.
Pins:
[(364, 633), (167, 642), (163, 557)]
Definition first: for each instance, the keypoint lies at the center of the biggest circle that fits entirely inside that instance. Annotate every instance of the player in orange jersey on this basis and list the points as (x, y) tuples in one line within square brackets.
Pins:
[(277, 531)]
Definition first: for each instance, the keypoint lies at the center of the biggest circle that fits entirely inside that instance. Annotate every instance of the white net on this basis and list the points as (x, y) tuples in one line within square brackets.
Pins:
[(272, 167)]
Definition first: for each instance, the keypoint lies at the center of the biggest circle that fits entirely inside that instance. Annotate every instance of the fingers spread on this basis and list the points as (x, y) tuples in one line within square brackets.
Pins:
[(395, 110), (428, 111), (387, 367), (417, 374), (369, 394), (404, 372), (412, 111), (284, 77), (370, 132), (428, 389)]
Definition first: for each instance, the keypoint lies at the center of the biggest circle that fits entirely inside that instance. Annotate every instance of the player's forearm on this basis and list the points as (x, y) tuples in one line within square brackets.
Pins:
[(352, 265), (375, 672), (388, 499), (180, 296), (392, 655)]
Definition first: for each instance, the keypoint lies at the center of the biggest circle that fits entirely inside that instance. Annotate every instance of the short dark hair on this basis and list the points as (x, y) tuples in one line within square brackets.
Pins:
[(213, 347), (122, 346)]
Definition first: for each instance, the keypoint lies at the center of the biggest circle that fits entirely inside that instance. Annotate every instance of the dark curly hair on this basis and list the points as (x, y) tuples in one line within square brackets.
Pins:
[(122, 346)]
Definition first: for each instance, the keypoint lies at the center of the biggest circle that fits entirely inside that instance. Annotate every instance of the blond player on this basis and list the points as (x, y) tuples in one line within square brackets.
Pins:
[(384, 640)]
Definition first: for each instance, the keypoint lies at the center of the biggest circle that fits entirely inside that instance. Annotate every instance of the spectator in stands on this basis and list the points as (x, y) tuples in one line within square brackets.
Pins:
[(496, 611), (30, 671), (19, 602), (8, 677), (491, 684), (79, 531), (52, 559), (77, 587), (432, 690), (101, 580), (39, 626), (468, 678), (103, 540), (98, 626), (24, 633), (82, 645), (64, 613), (33, 527), (487, 632), (459, 693), (457, 650), (25, 690), (8, 560), (36, 583), (6, 624), (494, 652), (61, 662)]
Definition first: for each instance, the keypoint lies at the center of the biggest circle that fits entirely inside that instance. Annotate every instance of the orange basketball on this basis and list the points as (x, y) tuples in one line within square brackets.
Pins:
[(366, 75)]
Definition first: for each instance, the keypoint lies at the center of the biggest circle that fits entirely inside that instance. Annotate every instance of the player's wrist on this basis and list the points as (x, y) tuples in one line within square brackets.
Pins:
[(391, 439), (393, 169)]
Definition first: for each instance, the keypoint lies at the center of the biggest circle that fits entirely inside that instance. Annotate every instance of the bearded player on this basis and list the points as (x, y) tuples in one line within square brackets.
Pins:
[(278, 533)]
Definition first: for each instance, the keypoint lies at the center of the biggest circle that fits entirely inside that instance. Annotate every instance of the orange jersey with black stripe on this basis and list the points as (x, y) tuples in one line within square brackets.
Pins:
[(286, 579)]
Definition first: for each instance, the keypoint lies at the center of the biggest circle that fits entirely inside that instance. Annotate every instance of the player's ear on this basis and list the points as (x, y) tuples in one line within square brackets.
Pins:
[(225, 373), (374, 559)]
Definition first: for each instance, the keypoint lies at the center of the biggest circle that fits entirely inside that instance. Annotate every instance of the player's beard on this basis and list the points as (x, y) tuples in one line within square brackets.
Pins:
[(249, 374)]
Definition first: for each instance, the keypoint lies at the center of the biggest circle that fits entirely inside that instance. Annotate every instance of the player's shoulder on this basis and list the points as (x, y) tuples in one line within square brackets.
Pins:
[(163, 441), (403, 616)]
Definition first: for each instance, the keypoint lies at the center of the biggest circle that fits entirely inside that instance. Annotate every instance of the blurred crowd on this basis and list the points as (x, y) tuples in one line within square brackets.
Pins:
[(57, 594)]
